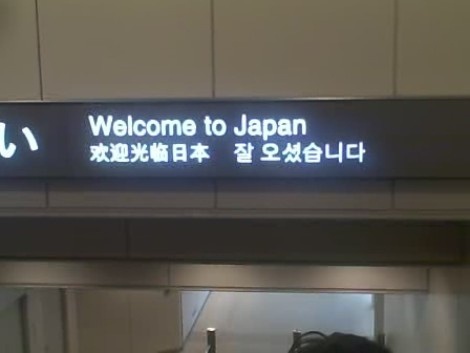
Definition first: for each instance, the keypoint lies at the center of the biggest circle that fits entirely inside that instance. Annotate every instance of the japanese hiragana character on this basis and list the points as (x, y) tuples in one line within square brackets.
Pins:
[(8, 151), (5, 151), (292, 153), (200, 152), (99, 153), (159, 152), (139, 152), (33, 144)]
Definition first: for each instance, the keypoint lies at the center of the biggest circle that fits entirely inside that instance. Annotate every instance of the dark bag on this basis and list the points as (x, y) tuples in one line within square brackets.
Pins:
[(317, 342)]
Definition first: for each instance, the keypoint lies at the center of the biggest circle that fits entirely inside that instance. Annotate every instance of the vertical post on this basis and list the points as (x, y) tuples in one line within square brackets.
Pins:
[(296, 338), (211, 341), (379, 318), (381, 339)]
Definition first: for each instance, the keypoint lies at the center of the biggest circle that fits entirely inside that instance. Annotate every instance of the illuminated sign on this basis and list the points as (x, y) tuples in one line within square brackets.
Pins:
[(423, 138), (8, 151), (247, 131)]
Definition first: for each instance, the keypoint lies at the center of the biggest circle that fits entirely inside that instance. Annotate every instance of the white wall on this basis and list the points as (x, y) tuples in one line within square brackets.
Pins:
[(200, 48), (9, 296), (103, 322), (125, 321), (11, 328), (155, 321), (405, 322), (463, 317), (433, 50), (19, 52), (431, 323), (125, 49), (192, 303), (45, 321)]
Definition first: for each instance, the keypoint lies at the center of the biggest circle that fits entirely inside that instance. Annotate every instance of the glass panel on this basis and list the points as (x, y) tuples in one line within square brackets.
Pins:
[(165, 321), (264, 322)]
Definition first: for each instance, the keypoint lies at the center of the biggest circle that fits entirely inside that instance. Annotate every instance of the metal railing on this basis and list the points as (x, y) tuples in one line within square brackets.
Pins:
[(212, 341)]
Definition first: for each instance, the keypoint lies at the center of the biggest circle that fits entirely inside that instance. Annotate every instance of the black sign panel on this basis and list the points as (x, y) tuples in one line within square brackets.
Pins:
[(427, 138)]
